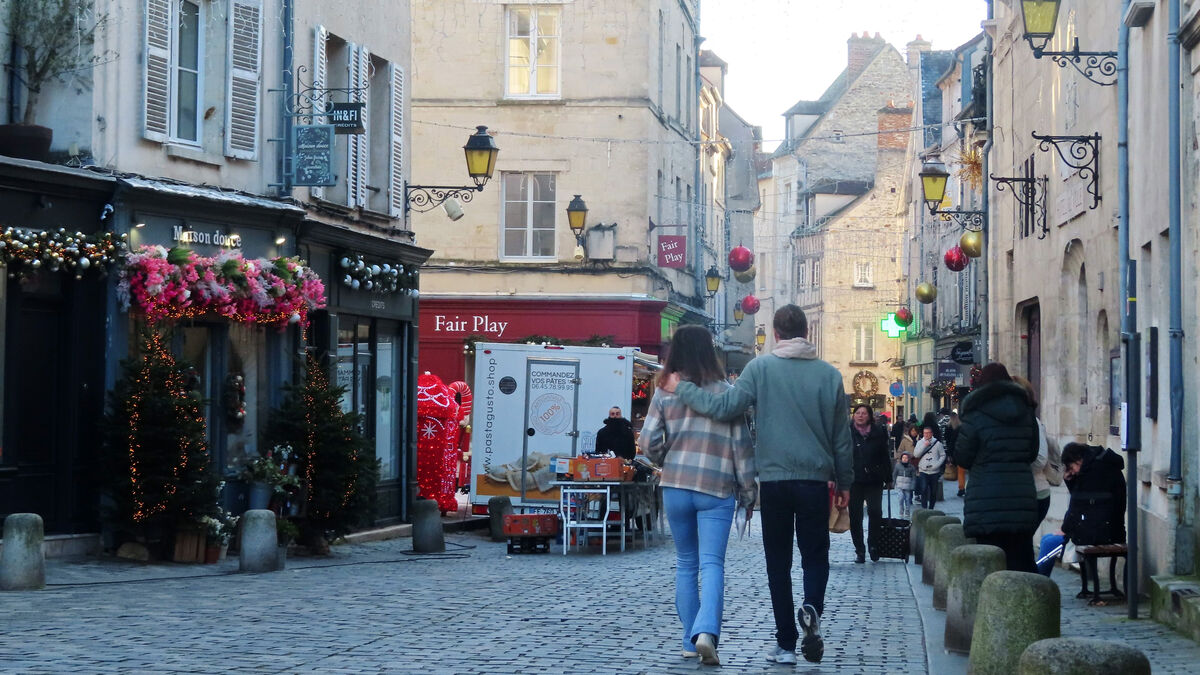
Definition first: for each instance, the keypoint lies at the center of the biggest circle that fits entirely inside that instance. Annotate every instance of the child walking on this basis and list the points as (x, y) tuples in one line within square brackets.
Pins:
[(903, 476)]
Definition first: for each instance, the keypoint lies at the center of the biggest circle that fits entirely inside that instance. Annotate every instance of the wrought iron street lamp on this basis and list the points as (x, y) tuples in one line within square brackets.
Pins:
[(576, 220), (481, 152), (934, 177), (1040, 18), (712, 281), (738, 316), (760, 337)]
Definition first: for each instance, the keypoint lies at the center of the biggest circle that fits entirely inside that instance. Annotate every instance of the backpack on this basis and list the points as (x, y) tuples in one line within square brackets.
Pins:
[(1053, 471)]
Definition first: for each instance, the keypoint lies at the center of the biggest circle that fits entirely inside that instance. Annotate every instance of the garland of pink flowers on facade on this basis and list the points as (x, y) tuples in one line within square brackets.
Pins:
[(175, 284)]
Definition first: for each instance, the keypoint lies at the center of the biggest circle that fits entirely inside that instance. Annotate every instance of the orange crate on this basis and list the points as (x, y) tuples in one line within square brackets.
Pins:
[(530, 524), (606, 469)]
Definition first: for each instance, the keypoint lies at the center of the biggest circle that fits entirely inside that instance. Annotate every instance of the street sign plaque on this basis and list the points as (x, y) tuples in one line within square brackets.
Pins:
[(346, 118), (312, 155)]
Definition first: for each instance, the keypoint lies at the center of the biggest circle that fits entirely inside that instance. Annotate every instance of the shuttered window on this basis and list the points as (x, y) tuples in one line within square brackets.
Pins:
[(244, 78), (396, 165), (319, 78), (864, 343), (172, 70), (358, 159), (156, 70)]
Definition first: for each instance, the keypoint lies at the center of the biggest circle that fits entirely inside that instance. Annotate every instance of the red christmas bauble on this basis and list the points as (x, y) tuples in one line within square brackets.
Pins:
[(956, 259), (740, 259), (904, 317), (750, 304)]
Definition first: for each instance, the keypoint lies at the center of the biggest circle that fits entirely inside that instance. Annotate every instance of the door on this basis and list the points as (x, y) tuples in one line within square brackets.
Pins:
[(1033, 357), (551, 422)]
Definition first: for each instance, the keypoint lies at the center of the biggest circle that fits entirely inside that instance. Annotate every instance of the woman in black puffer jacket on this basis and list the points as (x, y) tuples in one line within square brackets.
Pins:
[(997, 441)]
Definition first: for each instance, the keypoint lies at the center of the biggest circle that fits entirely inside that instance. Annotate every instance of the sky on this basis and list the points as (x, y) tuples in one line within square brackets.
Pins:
[(783, 51)]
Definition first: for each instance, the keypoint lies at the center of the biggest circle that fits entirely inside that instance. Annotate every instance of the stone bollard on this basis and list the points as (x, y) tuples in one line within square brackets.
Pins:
[(498, 507), (949, 538), (1016, 609), (258, 547), (929, 557), (969, 566), (427, 533), (916, 533), (23, 563), (1080, 656)]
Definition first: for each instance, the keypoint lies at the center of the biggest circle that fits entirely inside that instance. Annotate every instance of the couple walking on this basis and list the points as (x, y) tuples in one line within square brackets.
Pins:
[(696, 430)]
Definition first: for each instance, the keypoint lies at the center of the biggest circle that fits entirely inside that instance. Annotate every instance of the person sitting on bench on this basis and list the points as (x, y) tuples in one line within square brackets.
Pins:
[(1095, 517)]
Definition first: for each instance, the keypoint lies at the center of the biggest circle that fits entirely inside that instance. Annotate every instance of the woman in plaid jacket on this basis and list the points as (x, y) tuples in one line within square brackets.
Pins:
[(707, 472)]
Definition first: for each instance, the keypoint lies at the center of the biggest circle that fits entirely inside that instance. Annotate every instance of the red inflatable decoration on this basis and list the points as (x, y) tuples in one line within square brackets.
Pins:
[(904, 317), (465, 399), (740, 259), (956, 259), (750, 304), (437, 437)]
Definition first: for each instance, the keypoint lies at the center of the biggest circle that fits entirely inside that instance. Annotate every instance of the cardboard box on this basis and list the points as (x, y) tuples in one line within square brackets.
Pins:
[(607, 469), (530, 524)]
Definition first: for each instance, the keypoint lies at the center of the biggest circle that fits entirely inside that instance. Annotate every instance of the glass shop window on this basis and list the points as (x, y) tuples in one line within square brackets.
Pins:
[(368, 367)]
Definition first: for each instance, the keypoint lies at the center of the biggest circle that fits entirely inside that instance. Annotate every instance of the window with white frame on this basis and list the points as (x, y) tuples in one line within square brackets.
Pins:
[(802, 275), (787, 197), (534, 37), (816, 274), (862, 274), (527, 219), (864, 343)]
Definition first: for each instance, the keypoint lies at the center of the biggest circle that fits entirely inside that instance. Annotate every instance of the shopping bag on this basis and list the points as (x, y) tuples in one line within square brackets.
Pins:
[(839, 519)]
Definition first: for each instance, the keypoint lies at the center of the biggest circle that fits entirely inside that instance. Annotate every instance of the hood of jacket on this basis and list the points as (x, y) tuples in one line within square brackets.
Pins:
[(795, 348), (617, 423), (1098, 455), (1004, 401)]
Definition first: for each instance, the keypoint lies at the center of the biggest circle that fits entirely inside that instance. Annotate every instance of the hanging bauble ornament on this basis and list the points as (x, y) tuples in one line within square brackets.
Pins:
[(750, 304), (904, 317), (747, 275), (740, 259), (971, 243), (926, 292), (956, 260)]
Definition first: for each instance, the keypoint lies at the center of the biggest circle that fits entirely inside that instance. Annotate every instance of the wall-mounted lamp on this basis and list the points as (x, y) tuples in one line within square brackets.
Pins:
[(934, 177), (481, 152), (577, 220), (760, 337), (1040, 19), (280, 238), (712, 281)]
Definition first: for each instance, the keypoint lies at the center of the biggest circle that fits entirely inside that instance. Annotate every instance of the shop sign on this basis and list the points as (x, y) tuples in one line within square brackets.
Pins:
[(672, 251), (346, 118), (947, 371), (312, 155), (214, 238), (963, 352), (475, 323)]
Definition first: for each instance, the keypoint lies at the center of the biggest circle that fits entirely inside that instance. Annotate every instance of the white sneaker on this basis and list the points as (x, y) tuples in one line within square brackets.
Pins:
[(706, 645), (781, 656)]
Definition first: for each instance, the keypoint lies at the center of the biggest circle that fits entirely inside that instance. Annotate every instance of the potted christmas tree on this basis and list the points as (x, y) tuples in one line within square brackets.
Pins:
[(50, 40)]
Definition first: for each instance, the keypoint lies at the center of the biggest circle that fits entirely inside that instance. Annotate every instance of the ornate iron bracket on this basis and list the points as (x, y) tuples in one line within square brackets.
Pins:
[(968, 220), (422, 198), (1080, 152), (311, 101), (1031, 195), (1092, 65)]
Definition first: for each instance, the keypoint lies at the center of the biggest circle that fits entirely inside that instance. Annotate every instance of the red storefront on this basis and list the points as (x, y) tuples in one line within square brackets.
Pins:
[(446, 323)]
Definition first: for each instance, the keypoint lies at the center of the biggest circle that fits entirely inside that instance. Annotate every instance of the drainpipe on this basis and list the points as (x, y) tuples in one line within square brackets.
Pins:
[(1131, 419), (698, 208), (984, 324), (1175, 475), (289, 80)]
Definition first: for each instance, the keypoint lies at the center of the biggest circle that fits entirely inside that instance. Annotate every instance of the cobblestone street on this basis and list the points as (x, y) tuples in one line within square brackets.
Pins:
[(375, 607)]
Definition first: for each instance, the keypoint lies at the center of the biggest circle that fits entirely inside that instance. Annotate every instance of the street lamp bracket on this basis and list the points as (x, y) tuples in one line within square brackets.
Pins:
[(1031, 195), (1099, 67), (422, 198), (967, 220), (1078, 152)]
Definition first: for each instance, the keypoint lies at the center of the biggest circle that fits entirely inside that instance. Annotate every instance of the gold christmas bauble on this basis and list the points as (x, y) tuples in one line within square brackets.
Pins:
[(746, 276), (972, 243), (926, 292)]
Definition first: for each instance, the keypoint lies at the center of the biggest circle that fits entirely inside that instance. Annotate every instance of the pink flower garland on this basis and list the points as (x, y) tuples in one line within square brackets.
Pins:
[(177, 284)]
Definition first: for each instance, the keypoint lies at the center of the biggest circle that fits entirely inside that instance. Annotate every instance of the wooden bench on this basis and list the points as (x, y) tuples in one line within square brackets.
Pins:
[(1088, 558)]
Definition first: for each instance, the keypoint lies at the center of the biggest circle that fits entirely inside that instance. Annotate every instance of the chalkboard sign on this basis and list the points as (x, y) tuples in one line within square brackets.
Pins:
[(312, 155)]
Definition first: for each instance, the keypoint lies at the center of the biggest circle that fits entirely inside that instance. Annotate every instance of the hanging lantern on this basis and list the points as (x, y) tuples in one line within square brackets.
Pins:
[(956, 260), (904, 317), (740, 259), (750, 304), (972, 243), (747, 275), (926, 292)]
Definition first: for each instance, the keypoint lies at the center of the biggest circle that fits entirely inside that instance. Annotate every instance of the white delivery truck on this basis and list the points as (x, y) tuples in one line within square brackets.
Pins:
[(536, 403)]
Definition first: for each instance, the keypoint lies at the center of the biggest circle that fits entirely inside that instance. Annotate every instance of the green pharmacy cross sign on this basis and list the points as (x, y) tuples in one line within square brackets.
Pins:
[(890, 326)]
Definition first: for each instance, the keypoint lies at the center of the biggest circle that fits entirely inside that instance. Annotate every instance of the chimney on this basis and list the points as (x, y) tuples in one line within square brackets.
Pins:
[(915, 48), (860, 51), (894, 123)]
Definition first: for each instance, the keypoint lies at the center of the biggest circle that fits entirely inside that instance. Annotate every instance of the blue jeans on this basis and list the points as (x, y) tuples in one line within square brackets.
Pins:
[(927, 489), (801, 506), (700, 526), (906, 502)]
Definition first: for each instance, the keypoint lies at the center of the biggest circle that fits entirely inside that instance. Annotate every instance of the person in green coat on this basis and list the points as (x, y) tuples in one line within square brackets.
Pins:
[(997, 441)]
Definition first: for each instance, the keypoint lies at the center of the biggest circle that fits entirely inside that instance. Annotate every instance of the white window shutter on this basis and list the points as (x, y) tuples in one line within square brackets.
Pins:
[(352, 141), (396, 163), (156, 70), (320, 67), (361, 142), (244, 81)]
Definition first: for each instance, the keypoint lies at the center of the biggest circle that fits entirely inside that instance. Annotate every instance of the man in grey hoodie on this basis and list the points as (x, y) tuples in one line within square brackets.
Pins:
[(803, 444)]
